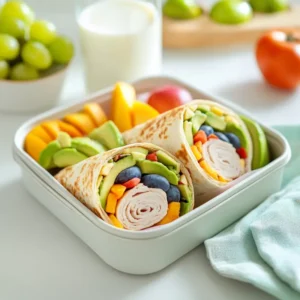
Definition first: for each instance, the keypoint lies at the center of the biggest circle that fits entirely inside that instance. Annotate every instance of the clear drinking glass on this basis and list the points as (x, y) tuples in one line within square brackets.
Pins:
[(120, 40)]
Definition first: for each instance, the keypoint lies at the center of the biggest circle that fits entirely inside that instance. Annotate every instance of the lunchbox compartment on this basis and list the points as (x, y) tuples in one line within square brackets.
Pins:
[(150, 250)]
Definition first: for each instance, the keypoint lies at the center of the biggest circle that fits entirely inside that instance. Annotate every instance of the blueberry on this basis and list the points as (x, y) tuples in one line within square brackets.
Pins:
[(173, 194), (222, 136), (156, 181), (207, 129), (127, 174), (234, 140)]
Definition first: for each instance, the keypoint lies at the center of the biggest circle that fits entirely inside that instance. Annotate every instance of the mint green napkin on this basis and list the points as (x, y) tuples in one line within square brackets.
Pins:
[(263, 247)]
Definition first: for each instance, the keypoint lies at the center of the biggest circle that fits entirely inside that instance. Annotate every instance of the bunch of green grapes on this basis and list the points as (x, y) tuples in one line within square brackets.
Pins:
[(28, 46)]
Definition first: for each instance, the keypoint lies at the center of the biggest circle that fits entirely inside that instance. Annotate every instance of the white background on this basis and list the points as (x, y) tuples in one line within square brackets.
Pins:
[(41, 259)]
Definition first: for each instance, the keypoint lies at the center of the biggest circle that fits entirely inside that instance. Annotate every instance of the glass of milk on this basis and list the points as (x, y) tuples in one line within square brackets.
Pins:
[(120, 40)]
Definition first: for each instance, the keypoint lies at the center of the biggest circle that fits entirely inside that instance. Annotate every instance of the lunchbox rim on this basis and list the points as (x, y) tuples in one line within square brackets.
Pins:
[(20, 154)]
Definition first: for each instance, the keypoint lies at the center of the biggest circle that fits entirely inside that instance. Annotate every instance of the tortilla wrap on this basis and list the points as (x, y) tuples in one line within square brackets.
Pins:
[(167, 131), (141, 207)]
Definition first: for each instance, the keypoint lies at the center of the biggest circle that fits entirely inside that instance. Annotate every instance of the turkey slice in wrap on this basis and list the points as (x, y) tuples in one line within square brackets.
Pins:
[(132, 187), (210, 140)]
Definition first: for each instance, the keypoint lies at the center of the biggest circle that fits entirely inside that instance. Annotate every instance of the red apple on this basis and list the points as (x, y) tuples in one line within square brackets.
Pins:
[(168, 97)]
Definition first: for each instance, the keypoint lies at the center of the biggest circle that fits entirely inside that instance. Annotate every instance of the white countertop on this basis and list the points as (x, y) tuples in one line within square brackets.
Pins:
[(41, 259)]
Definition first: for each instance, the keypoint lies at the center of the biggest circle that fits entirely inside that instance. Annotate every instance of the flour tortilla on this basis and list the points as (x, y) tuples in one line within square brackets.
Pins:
[(166, 131), (81, 180)]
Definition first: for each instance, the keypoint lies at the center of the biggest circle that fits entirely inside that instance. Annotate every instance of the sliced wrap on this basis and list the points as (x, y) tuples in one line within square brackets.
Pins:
[(213, 160), (132, 187)]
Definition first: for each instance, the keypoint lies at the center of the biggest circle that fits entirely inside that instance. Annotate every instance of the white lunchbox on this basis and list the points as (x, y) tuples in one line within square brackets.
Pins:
[(150, 251)]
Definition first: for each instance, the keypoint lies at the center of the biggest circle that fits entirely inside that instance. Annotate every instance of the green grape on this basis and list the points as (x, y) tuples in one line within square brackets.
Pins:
[(4, 69), (43, 31), (9, 47), (18, 10), (61, 49), (12, 26), (22, 71), (36, 55)]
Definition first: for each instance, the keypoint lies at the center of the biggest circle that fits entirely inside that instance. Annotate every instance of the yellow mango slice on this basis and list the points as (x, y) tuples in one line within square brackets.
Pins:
[(172, 214), (34, 145), (218, 111), (111, 203), (81, 121), (205, 166), (70, 129), (96, 113), (196, 152), (123, 99), (42, 134), (115, 221), (118, 190), (52, 128), (142, 112)]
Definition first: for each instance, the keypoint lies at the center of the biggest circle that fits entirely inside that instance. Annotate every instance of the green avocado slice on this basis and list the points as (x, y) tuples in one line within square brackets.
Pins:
[(186, 194), (46, 156), (215, 121), (109, 180), (153, 167), (168, 161), (261, 156), (87, 146), (68, 157), (108, 135), (187, 127)]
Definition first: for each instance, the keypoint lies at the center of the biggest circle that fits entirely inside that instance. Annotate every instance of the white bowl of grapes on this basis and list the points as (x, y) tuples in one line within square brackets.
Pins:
[(34, 59)]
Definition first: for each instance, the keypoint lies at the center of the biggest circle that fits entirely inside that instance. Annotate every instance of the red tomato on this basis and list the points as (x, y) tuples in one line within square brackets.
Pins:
[(278, 58)]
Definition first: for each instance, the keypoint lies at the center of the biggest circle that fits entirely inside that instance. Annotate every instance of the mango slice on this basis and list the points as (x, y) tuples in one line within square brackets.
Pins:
[(40, 132), (142, 112), (123, 99), (34, 145), (81, 121), (172, 214), (115, 221), (70, 129), (96, 113), (52, 128)]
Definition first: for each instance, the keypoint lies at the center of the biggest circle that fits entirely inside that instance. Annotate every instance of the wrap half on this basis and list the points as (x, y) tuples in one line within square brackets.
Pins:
[(134, 187), (208, 138)]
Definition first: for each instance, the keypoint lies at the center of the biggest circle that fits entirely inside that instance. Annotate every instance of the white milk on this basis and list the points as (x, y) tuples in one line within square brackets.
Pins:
[(121, 40)]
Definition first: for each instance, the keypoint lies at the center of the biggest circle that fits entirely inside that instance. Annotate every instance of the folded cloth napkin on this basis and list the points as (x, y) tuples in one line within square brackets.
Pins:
[(263, 248)]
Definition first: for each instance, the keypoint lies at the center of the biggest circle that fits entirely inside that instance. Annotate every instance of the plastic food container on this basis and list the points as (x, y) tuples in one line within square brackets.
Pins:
[(152, 250)]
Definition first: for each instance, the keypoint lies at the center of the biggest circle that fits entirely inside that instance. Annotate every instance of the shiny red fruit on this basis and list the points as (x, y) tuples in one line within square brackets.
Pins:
[(132, 183), (169, 97)]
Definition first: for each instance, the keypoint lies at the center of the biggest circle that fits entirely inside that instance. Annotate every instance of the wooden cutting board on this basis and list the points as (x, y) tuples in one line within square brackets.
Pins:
[(203, 32)]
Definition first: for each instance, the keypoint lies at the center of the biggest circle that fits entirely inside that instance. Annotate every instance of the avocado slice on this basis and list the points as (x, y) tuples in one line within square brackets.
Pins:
[(187, 196), (135, 149), (261, 155), (87, 146), (109, 180), (215, 121), (187, 127), (46, 156), (197, 120), (138, 156), (67, 157), (108, 135), (168, 161), (203, 108), (153, 167), (188, 114), (239, 132), (64, 139)]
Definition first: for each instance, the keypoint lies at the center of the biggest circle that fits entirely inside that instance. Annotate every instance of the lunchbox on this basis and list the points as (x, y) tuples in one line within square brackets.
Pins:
[(151, 250)]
